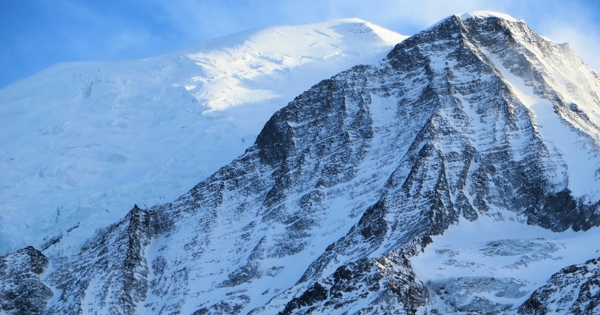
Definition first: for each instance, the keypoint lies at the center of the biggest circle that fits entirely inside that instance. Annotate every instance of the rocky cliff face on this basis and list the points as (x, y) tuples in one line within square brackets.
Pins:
[(109, 275), (573, 290), (473, 119), (21, 288)]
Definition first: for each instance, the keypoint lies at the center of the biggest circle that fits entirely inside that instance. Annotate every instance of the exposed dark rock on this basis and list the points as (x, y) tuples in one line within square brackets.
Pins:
[(316, 293), (573, 290), (22, 291), (110, 272)]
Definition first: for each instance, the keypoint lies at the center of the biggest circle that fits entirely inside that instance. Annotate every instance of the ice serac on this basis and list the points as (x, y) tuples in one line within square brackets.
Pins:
[(476, 124)]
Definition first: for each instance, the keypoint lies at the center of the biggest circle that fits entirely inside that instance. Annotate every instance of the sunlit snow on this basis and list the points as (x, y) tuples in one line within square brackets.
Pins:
[(83, 142), (487, 14)]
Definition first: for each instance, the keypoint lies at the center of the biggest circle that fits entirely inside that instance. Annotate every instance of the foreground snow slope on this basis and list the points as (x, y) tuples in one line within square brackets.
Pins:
[(81, 143)]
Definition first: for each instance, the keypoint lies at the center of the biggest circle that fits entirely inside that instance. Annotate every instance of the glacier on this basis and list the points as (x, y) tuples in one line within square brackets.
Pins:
[(84, 142)]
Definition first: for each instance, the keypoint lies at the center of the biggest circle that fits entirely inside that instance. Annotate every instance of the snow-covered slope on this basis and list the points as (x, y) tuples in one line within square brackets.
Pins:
[(81, 143), (495, 264), (457, 176)]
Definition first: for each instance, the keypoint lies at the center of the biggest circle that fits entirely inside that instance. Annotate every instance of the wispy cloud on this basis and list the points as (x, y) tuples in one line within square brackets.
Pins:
[(576, 24)]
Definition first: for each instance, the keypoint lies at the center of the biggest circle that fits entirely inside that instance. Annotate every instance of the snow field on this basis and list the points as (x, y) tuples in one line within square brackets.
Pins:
[(504, 248), (84, 142)]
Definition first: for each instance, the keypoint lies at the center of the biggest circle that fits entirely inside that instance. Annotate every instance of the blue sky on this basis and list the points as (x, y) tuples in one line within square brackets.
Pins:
[(36, 34)]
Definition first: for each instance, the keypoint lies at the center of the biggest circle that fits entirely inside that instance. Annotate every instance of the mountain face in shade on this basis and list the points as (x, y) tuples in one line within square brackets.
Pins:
[(460, 175), (82, 142)]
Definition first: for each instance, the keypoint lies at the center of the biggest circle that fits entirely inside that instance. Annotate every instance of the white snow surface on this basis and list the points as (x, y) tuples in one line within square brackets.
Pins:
[(502, 247), (487, 14), (81, 143)]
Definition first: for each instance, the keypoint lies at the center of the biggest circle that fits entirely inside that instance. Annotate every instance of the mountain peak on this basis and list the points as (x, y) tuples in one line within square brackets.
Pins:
[(448, 178), (486, 14), (286, 38), (474, 15)]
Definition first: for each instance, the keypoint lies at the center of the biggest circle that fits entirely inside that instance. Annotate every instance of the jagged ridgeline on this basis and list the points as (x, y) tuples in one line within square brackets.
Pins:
[(476, 119)]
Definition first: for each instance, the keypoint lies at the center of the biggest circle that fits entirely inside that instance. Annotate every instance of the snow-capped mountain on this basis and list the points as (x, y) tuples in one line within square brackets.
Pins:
[(83, 142), (459, 175)]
